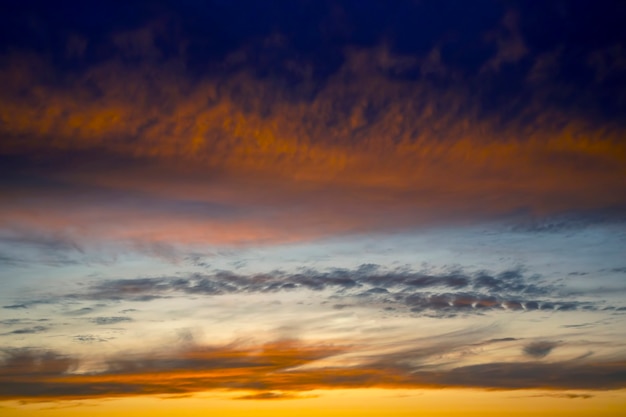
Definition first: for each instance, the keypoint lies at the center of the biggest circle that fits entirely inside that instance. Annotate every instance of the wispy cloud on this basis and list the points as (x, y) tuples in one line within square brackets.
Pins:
[(27, 330), (281, 370), (15, 306)]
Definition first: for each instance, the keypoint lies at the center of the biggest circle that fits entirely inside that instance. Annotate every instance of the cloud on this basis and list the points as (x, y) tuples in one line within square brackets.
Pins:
[(539, 350), (570, 396), (588, 376), (88, 338), (442, 294), (23, 248), (373, 279), (154, 139), (28, 330), (280, 369), (233, 158), (270, 395), (15, 306), (408, 293), (510, 43), (13, 322), (80, 311), (110, 320)]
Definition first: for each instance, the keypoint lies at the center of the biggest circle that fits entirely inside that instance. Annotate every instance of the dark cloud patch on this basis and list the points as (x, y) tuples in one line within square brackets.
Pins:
[(10, 260), (12, 322), (80, 311), (27, 304), (28, 330), (501, 340), (575, 326), (16, 306), (568, 306), (540, 349), (373, 291), (136, 289), (574, 396), (569, 395), (511, 375), (110, 320), (271, 395), (444, 293), (550, 226), (569, 222), (227, 282), (89, 338)]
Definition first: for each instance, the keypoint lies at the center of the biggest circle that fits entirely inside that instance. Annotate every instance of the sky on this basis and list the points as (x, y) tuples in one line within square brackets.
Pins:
[(362, 208)]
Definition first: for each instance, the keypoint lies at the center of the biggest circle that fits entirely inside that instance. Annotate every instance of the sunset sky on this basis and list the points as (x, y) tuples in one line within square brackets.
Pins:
[(278, 208)]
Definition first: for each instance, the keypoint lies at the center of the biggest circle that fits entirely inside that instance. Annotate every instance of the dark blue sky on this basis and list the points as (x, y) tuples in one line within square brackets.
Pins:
[(491, 47)]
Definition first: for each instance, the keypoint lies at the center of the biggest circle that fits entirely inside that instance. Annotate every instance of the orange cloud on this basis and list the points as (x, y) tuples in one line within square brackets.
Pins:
[(275, 367), (366, 153)]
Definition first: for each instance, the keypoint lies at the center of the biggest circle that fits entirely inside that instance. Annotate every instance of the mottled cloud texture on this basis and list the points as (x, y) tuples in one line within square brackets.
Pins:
[(230, 156), (456, 292), (271, 198)]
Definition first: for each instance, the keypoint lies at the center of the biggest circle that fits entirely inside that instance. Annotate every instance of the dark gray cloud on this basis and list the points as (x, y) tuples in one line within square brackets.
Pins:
[(89, 338), (15, 306), (25, 304), (110, 320), (226, 282), (10, 260), (442, 294), (574, 396), (523, 375), (11, 322), (539, 349), (28, 330), (14, 322), (502, 339), (80, 311), (437, 295)]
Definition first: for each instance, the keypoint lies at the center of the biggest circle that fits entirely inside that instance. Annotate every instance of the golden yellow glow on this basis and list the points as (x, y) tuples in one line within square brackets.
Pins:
[(358, 402)]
